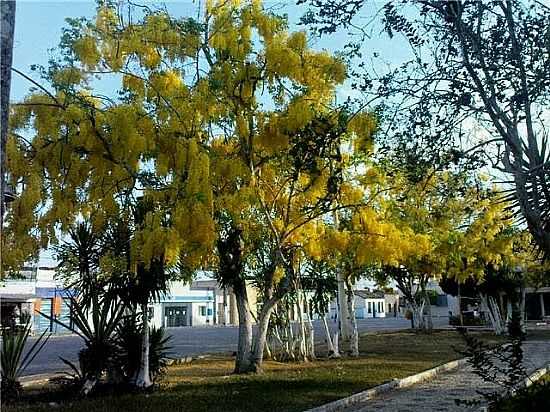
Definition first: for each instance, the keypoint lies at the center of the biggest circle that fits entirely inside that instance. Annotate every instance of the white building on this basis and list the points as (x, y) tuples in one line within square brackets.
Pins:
[(203, 302), (35, 290), (30, 291), (369, 304), (182, 306), (375, 304)]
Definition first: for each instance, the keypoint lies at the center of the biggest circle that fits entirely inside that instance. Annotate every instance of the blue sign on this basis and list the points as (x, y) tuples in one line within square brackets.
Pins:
[(49, 293)]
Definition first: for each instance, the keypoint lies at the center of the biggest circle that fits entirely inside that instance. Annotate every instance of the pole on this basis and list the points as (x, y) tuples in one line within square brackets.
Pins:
[(7, 11)]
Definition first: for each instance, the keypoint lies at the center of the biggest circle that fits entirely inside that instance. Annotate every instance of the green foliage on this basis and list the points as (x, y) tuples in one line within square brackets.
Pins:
[(12, 360), (432, 296), (128, 340), (99, 352), (534, 398), (503, 367), (320, 278)]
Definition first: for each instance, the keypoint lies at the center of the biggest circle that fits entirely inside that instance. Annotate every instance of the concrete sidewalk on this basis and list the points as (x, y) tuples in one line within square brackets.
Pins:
[(440, 394)]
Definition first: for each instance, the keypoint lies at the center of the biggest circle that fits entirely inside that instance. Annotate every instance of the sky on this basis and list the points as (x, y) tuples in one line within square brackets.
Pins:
[(39, 23)]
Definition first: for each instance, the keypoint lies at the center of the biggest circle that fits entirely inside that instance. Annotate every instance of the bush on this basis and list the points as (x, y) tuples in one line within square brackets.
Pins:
[(129, 344), (468, 321), (432, 296), (99, 350), (13, 362), (534, 398), (503, 367)]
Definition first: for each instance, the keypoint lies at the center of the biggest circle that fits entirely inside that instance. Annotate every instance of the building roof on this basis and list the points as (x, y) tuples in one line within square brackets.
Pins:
[(367, 294), (15, 297), (204, 284)]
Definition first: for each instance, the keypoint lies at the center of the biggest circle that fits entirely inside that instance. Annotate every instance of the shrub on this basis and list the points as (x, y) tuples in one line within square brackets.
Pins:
[(534, 398), (99, 350), (467, 321), (129, 345), (12, 360), (503, 367)]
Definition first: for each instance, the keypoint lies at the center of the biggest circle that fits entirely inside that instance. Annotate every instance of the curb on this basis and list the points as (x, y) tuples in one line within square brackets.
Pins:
[(536, 375), (386, 387), (38, 379), (184, 360)]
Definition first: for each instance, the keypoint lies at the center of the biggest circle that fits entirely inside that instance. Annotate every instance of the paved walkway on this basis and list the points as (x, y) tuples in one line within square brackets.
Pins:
[(440, 393)]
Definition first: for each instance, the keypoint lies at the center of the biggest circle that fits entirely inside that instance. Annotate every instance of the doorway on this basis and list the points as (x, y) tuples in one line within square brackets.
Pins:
[(175, 316)]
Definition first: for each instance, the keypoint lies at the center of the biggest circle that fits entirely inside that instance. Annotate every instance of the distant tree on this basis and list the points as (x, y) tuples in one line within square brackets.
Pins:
[(320, 281), (478, 83)]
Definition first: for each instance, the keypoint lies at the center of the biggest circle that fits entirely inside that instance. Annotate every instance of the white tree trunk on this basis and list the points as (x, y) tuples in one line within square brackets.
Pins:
[(143, 379), (429, 319), (291, 338), (302, 352), (310, 331), (418, 316), (522, 310), (344, 325), (485, 308), (244, 345), (495, 308), (335, 343), (257, 354), (88, 386), (354, 338), (331, 348)]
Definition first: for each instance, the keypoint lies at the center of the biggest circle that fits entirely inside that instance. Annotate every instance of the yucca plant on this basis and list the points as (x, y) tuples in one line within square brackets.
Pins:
[(14, 362), (129, 345), (159, 351), (95, 323)]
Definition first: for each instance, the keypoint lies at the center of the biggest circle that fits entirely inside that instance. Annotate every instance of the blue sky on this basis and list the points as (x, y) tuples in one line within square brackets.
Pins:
[(39, 23)]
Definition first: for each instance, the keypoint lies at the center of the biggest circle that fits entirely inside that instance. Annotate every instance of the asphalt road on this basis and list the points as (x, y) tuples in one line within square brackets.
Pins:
[(190, 341)]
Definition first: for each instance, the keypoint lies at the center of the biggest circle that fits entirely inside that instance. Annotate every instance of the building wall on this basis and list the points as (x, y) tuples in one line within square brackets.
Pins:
[(372, 308), (391, 304), (35, 289), (224, 305), (182, 295)]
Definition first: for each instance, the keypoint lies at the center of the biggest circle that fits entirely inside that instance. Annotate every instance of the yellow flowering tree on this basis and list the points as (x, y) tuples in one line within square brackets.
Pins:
[(452, 227), (76, 154), (367, 236), (283, 139)]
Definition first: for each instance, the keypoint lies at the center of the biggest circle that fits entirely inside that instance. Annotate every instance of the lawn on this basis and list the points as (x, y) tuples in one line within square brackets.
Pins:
[(208, 385)]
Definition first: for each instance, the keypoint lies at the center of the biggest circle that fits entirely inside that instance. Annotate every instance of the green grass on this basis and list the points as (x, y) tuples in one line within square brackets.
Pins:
[(208, 385)]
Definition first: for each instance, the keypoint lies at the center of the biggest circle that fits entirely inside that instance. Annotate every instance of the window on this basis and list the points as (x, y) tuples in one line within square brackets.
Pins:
[(389, 307), (202, 310), (370, 307), (379, 306)]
